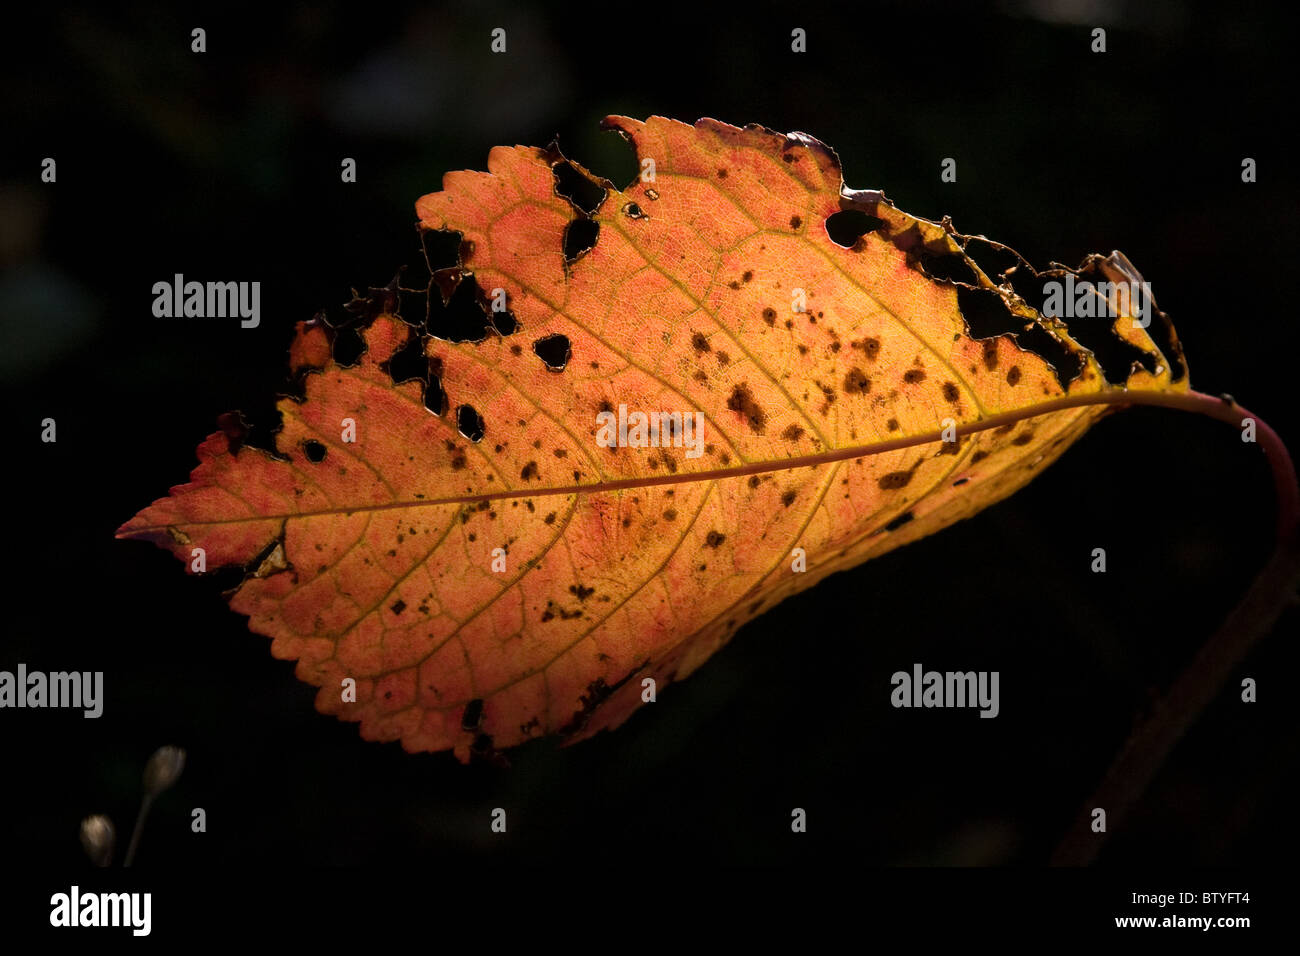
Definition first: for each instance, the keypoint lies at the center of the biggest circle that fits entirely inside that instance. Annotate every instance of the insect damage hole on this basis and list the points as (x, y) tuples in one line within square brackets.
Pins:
[(577, 188), (504, 322), (1117, 356), (950, 266), (847, 226), (554, 350), (461, 317), (408, 363), (987, 317), (901, 520), (579, 239), (441, 248), (347, 347), (470, 423)]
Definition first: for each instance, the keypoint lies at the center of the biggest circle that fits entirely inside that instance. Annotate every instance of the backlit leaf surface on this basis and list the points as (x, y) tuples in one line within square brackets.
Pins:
[(373, 559)]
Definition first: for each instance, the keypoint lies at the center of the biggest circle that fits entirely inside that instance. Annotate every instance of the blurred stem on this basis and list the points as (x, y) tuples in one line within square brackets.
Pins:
[(145, 804), (1203, 679)]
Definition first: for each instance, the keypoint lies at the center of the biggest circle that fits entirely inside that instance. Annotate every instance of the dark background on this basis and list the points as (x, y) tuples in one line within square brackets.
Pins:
[(226, 165)]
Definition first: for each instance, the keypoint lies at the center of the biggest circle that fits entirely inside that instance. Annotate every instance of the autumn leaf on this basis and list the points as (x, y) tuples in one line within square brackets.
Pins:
[(441, 521)]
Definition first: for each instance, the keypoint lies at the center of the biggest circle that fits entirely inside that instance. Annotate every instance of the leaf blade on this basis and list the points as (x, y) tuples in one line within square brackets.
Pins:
[(815, 421)]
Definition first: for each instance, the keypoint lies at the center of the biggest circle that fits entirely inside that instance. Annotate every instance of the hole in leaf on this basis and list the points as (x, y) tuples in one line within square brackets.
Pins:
[(579, 238), (996, 260), (462, 318), (469, 422), (378, 300), (574, 186), (951, 266), (614, 156), (849, 225), (256, 425), (348, 347), (898, 522), (314, 450), (1115, 355), (554, 350), (435, 399), (445, 281), (987, 316), (472, 716), (1065, 363), (504, 322), (986, 313), (1161, 331), (1028, 284), (408, 363), (411, 364), (441, 248)]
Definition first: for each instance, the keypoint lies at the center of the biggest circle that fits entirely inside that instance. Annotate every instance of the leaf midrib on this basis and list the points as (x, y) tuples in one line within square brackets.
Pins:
[(713, 474)]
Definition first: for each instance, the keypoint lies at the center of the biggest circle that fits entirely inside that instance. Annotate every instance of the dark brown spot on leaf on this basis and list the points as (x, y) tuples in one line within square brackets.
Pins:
[(869, 346), (742, 401), (894, 480), (898, 522)]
